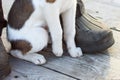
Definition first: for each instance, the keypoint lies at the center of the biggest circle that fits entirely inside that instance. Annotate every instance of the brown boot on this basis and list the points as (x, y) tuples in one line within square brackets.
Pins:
[(4, 65), (91, 36)]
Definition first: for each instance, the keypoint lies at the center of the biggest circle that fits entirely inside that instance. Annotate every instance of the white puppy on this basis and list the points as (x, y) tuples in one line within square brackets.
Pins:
[(27, 23)]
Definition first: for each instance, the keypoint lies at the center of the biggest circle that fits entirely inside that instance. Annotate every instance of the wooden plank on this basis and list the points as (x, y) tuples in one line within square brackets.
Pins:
[(28, 71), (104, 65), (84, 68), (89, 67), (15, 76), (108, 13), (110, 64)]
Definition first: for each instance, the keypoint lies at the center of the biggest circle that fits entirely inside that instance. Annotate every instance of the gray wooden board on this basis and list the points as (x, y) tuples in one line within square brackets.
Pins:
[(104, 10), (90, 66), (28, 71), (84, 68)]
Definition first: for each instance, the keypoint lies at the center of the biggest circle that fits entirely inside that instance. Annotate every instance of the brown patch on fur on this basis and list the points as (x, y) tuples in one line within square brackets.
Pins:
[(22, 45), (19, 13), (50, 1)]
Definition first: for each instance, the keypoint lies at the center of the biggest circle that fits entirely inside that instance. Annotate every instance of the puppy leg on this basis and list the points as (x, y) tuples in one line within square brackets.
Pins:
[(69, 31), (55, 31), (31, 57), (26, 49)]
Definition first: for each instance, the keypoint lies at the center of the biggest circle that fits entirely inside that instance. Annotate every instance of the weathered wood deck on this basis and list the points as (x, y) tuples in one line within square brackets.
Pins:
[(91, 66)]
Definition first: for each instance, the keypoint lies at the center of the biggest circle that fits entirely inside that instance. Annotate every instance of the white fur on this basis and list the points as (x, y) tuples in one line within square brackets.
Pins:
[(33, 31), (34, 57)]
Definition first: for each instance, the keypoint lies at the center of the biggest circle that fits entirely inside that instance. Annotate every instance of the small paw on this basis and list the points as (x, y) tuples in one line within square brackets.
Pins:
[(76, 52), (58, 52), (36, 59)]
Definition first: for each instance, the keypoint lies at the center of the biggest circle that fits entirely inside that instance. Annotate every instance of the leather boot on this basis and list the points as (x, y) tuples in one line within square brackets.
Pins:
[(91, 35), (4, 65)]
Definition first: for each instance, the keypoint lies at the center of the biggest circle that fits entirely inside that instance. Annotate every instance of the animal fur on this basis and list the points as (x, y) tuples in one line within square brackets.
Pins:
[(27, 32)]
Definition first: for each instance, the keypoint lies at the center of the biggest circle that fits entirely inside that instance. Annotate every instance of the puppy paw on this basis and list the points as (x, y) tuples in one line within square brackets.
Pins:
[(75, 52), (58, 52), (36, 59)]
